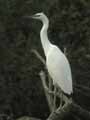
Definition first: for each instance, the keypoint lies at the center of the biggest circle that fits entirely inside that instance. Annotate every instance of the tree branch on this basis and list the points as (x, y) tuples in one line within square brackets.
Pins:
[(39, 56)]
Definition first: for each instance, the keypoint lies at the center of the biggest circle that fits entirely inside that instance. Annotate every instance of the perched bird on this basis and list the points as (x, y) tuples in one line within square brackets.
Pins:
[(56, 62)]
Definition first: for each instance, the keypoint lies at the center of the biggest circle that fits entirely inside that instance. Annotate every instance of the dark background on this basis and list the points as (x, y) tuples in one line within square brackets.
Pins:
[(21, 91)]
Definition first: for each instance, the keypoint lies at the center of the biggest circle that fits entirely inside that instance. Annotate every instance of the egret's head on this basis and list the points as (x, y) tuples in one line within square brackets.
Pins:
[(40, 16)]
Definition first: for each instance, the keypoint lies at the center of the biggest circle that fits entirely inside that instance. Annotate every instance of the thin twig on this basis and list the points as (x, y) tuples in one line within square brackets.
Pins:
[(39, 56)]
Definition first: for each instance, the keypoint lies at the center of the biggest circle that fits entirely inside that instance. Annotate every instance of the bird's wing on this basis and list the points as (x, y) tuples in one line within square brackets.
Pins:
[(59, 69)]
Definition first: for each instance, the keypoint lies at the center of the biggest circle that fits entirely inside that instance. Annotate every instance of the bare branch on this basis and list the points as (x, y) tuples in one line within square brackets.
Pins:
[(38, 56), (46, 89)]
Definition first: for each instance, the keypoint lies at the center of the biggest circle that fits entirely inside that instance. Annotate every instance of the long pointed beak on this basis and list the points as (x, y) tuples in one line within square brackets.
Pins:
[(33, 16), (30, 17)]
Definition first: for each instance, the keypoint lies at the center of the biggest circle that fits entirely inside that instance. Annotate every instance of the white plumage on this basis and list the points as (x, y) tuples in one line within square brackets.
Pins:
[(57, 63), (59, 69)]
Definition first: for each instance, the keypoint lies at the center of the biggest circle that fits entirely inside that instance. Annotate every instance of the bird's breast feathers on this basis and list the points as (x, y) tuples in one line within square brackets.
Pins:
[(55, 57)]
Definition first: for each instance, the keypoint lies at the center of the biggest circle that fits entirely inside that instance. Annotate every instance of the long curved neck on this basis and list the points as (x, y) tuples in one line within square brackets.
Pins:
[(44, 36)]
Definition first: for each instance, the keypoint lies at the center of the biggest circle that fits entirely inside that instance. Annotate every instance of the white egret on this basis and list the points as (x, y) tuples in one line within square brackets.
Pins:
[(56, 62)]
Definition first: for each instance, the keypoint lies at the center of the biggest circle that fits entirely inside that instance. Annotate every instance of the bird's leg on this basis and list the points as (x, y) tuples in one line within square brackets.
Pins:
[(54, 100)]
